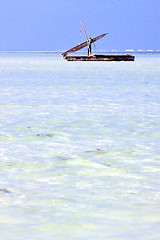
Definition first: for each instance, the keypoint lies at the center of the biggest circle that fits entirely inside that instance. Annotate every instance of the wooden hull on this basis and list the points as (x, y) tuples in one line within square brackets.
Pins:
[(97, 57)]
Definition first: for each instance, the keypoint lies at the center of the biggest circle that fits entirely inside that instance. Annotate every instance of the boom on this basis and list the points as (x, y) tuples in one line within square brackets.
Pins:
[(82, 45)]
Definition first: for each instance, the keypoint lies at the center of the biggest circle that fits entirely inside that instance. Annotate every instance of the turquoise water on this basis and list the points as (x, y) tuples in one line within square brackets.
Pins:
[(79, 148)]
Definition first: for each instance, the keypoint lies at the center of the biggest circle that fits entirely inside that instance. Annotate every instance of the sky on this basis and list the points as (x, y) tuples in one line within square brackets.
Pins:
[(52, 25)]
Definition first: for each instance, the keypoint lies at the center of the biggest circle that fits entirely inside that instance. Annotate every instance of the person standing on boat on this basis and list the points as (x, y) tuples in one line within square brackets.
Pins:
[(89, 46)]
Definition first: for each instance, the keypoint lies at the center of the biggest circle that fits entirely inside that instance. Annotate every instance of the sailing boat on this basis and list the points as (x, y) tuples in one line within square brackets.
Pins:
[(94, 57)]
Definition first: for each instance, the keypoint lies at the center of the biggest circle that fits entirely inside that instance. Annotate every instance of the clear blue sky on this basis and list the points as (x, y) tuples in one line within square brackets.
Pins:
[(43, 25)]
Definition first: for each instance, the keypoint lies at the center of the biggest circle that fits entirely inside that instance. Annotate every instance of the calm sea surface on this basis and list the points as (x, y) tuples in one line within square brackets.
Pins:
[(79, 148)]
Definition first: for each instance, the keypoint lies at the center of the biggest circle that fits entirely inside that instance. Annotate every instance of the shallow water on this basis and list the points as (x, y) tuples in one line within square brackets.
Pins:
[(79, 145)]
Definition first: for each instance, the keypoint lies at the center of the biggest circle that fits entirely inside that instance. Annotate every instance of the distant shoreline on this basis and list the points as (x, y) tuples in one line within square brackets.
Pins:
[(101, 51)]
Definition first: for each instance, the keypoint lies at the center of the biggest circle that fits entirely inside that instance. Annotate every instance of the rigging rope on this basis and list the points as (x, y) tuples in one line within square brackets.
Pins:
[(95, 47)]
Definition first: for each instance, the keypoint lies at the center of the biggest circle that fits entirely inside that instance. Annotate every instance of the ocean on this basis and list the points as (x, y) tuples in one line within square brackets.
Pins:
[(79, 148)]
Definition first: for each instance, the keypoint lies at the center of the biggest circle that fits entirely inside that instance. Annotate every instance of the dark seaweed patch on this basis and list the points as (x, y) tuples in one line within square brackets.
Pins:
[(64, 158), (96, 151), (4, 190), (44, 135)]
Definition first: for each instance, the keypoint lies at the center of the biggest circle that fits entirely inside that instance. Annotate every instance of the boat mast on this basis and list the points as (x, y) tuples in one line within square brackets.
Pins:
[(85, 32)]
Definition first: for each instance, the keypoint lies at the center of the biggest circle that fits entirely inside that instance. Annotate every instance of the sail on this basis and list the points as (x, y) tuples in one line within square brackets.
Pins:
[(82, 45)]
